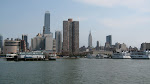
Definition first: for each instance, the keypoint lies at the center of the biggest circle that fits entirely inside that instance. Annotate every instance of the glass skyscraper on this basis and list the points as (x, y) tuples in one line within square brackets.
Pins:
[(109, 39), (46, 28)]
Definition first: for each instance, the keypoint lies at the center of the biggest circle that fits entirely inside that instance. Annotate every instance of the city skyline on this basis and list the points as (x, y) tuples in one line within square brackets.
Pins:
[(121, 20)]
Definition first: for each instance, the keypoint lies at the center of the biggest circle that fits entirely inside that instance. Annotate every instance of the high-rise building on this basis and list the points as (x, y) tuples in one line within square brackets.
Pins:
[(70, 37), (46, 27), (25, 38), (109, 39), (43, 41), (1, 42), (58, 37), (22, 46), (97, 46), (90, 40)]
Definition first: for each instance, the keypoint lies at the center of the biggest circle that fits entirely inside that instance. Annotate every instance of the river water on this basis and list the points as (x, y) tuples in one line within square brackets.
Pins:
[(76, 71)]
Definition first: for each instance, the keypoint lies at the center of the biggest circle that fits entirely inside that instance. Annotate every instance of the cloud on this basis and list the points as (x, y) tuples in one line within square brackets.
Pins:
[(141, 5), (125, 22)]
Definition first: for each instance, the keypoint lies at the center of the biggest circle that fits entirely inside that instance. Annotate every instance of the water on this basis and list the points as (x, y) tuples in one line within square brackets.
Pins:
[(76, 71)]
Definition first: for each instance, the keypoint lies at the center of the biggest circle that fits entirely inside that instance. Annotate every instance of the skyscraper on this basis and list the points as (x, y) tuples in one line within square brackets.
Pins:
[(90, 40), (109, 39), (44, 41), (25, 38), (1, 42), (58, 37), (46, 27), (22, 46), (70, 37), (97, 46)]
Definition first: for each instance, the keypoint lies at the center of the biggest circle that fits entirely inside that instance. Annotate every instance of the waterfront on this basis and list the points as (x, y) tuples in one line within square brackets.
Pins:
[(76, 71)]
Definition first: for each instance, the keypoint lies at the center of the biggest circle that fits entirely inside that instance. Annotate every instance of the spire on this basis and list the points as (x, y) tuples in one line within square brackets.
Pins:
[(90, 33)]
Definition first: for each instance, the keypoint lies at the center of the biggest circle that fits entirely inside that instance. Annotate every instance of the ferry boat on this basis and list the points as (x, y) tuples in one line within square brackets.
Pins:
[(10, 57), (34, 54), (140, 55), (122, 55)]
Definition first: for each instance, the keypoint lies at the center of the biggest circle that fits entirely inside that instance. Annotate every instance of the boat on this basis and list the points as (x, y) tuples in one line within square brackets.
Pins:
[(52, 56), (121, 55), (90, 56), (10, 57), (33, 54), (140, 55), (101, 56)]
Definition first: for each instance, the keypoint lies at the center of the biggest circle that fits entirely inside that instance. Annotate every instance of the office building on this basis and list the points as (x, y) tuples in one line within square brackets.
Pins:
[(25, 38), (43, 41), (46, 27), (97, 46), (90, 40), (70, 37), (22, 46), (58, 37), (109, 39)]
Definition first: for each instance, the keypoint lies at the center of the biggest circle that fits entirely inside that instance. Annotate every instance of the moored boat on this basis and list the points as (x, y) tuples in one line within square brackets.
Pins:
[(122, 55), (10, 57), (140, 55)]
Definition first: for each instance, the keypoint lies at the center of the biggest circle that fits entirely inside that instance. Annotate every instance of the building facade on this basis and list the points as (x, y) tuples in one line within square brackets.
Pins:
[(58, 37), (11, 46), (48, 41), (70, 37), (38, 43), (145, 46)]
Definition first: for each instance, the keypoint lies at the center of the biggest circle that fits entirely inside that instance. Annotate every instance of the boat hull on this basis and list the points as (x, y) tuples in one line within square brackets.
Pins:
[(121, 57)]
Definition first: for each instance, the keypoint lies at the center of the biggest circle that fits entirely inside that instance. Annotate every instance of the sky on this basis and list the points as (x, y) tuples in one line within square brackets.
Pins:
[(128, 21)]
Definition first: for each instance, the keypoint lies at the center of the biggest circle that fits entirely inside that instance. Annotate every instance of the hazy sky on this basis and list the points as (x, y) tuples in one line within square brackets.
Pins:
[(128, 21)]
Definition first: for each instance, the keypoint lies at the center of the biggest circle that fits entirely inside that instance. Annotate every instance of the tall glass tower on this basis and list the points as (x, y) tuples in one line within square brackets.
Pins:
[(109, 39), (46, 28)]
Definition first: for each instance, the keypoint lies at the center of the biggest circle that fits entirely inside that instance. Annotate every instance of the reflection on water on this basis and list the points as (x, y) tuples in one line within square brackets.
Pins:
[(76, 71)]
